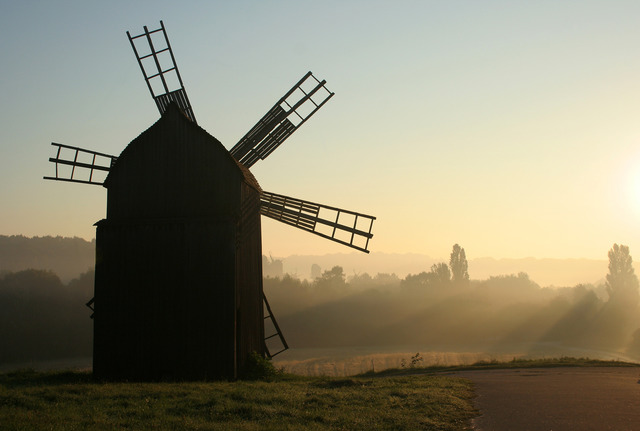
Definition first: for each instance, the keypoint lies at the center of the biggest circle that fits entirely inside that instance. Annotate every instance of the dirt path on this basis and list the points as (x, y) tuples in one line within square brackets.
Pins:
[(557, 399)]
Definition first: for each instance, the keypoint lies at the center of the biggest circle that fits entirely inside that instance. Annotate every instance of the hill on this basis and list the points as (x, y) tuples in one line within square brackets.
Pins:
[(67, 257)]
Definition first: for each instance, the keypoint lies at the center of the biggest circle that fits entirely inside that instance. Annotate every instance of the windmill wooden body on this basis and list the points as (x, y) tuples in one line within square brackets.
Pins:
[(178, 290)]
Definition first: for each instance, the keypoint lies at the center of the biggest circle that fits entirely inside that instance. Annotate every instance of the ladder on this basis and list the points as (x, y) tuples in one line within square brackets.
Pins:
[(285, 117), (278, 333), (159, 69)]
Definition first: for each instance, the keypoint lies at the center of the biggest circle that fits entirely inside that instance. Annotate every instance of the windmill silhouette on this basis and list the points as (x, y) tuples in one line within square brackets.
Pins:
[(178, 290)]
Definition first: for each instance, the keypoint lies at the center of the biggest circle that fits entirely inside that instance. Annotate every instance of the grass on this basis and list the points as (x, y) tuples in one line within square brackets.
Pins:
[(73, 401), (563, 361), (411, 398)]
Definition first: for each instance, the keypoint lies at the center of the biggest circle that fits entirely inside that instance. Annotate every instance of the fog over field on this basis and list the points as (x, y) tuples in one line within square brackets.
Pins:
[(343, 322)]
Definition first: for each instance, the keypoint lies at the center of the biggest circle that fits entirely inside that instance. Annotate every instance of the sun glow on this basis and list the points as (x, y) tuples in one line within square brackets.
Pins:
[(634, 191)]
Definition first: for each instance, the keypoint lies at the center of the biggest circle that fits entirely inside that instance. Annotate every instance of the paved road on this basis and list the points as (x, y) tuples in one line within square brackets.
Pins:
[(557, 399)]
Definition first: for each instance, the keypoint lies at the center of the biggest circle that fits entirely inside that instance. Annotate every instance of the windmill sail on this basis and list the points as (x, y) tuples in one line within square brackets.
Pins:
[(279, 344), (78, 165), (159, 69), (284, 118), (345, 227)]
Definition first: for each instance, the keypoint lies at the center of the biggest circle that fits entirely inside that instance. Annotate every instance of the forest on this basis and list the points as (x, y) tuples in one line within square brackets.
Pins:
[(442, 308), (42, 318), (67, 257)]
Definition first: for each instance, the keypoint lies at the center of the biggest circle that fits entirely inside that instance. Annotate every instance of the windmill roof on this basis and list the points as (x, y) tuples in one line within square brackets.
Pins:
[(173, 112)]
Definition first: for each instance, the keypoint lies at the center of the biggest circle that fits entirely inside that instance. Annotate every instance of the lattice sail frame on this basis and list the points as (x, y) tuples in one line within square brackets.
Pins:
[(285, 117), (274, 341), (305, 98), (160, 70), (81, 164), (343, 226)]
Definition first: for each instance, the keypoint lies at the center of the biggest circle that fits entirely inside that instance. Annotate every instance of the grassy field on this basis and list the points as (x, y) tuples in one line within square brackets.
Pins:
[(73, 401), (564, 361), (410, 398)]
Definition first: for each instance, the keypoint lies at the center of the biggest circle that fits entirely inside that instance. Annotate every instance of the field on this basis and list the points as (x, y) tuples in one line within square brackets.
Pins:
[(408, 398), (339, 362), (32, 400)]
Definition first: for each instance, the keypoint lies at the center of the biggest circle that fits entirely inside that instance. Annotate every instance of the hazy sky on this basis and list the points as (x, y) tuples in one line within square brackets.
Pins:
[(509, 127)]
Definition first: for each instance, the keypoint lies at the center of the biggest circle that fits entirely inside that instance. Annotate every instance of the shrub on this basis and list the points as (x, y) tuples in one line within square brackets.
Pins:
[(258, 367)]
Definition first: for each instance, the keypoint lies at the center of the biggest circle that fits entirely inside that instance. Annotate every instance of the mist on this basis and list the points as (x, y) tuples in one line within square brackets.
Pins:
[(343, 323)]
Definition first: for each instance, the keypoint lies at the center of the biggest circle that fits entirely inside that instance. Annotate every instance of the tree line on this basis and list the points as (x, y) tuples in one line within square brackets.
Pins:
[(43, 318), (67, 257), (444, 309)]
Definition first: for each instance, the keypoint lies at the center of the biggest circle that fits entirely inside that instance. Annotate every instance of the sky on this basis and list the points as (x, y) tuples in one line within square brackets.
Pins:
[(509, 127)]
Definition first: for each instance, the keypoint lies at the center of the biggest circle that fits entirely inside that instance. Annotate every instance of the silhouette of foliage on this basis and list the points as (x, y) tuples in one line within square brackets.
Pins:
[(503, 310), (621, 279), (439, 276), (441, 273), (335, 278), (42, 319), (459, 266), (613, 325), (416, 360), (316, 271), (67, 257), (259, 368)]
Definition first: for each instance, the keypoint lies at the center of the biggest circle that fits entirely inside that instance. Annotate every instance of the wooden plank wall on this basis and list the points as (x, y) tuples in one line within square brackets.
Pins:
[(164, 301), (250, 319), (175, 264)]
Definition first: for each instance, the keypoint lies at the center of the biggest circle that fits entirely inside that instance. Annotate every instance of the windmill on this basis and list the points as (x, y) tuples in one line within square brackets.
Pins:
[(178, 290)]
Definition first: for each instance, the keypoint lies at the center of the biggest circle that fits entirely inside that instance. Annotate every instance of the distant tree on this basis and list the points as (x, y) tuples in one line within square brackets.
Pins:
[(440, 273), (421, 280), (574, 311), (618, 317), (335, 277), (438, 276), (459, 266), (511, 287), (384, 279), (67, 257), (42, 319), (316, 271), (361, 280), (622, 282)]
